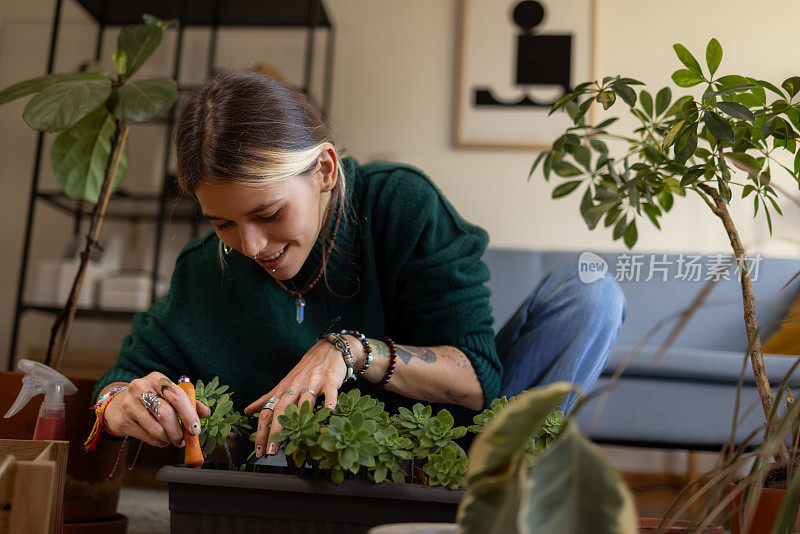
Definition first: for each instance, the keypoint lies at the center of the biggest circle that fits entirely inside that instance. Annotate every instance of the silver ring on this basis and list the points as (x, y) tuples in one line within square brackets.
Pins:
[(270, 404), (150, 402), (257, 255), (309, 390)]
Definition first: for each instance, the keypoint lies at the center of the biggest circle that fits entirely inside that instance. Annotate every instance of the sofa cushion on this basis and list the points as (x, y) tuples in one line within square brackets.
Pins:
[(787, 339)]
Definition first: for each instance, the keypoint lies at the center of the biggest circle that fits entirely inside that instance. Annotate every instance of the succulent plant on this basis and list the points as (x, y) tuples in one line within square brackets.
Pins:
[(359, 439), (483, 419), (301, 430), (394, 449), (408, 422), (215, 429), (551, 428), (446, 468), (352, 401), (438, 433), (348, 445)]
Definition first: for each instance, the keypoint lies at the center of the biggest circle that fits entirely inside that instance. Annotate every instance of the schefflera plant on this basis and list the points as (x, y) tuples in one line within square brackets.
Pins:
[(723, 147), (89, 157)]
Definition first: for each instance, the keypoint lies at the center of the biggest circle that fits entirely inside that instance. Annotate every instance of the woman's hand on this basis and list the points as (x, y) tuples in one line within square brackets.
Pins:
[(320, 372), (126, 415)]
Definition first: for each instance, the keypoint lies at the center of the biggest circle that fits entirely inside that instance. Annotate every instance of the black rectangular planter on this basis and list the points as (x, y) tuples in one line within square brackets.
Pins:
[(209, 501)]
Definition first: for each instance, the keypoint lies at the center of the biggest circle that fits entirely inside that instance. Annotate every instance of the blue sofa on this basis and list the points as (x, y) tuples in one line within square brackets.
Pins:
[(686, 399)]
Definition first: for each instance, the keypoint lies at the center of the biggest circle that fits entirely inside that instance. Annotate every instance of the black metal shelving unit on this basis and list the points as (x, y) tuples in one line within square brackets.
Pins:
[(165, 205)]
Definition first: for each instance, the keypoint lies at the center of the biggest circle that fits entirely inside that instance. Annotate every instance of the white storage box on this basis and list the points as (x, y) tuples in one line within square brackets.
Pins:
[(54, 283), (128, 291)]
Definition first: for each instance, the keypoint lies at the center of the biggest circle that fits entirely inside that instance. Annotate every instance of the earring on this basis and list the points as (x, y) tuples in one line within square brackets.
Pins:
[(226, 249)]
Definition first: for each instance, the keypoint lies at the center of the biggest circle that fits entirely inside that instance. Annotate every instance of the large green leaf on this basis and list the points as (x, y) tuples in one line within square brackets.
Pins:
[(719, 127), (686, 78), (496, 462), (713, 55), (139, 41), (143, 100), (34, 85), (573, 490), (737, 111), (79, 156), (663, 99), (62, 104), (507, 435), (688, 59)]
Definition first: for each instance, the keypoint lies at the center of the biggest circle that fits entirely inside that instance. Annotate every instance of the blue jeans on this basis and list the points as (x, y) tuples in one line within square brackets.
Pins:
[(565, 330)]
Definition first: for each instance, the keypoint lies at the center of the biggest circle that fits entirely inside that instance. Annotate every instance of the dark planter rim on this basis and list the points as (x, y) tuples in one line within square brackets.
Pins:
[(290, 483)]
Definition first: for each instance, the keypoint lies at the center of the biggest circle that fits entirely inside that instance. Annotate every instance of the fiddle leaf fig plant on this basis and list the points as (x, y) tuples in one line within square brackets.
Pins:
[(723, 143), (89, 157)]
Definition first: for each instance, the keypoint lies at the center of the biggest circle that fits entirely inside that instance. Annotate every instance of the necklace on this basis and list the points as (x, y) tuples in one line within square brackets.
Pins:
[(300, 302)]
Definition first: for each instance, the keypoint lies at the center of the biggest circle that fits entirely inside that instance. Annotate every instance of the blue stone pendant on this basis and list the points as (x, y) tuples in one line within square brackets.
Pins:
[(299, 304)]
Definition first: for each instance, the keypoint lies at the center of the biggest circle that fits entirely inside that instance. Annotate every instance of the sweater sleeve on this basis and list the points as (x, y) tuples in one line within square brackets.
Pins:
[(435, 277)]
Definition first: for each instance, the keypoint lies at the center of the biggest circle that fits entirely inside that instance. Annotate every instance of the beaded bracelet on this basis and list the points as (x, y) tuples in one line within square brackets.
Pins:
[(100, 422), (367, 349), (343, 346), (392, 361)]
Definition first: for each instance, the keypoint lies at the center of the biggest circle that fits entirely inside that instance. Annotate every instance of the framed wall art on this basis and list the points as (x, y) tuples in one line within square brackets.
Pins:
[(516, 58)]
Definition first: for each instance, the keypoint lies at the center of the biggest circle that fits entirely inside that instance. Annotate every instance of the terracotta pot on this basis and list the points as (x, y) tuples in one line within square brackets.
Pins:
[(650, 526), (89, 495), (769, 503)]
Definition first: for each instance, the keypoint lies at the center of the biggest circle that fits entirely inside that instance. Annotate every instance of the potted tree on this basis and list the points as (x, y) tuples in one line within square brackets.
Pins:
[(723, 147), (89, 158)]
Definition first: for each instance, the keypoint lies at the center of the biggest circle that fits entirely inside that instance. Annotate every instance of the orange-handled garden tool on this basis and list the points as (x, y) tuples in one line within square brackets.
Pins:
[(193, 455)]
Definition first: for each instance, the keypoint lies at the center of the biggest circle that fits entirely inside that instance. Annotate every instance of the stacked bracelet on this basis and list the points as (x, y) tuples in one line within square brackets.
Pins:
[(367, 349), (343, 346), (392, 361), (100, 421)]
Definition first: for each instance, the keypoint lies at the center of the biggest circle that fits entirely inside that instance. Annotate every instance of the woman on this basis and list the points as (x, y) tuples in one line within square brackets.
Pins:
[(302, 237)]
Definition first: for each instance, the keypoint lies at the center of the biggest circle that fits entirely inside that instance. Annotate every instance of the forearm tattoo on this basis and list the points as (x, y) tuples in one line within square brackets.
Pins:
[(405, 353)]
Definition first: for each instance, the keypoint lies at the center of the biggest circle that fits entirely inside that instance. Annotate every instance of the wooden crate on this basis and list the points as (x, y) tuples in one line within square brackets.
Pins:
[(32, 475)]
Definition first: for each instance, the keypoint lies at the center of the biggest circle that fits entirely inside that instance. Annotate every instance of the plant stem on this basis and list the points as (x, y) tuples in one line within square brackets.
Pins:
[(67, 314), (750, 320)]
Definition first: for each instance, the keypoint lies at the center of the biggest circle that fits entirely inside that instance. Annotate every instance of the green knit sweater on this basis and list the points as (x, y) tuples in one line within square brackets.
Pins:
[(408, 266)]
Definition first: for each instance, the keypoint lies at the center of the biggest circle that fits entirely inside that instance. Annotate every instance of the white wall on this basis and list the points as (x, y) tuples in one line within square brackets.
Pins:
[(393, 99)]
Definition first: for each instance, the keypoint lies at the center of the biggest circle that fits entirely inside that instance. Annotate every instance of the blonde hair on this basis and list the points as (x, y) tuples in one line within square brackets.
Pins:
[(251, 128)]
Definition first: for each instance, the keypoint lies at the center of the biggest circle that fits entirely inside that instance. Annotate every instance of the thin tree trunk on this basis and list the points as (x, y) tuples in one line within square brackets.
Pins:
[(67, 315), (749, 304)]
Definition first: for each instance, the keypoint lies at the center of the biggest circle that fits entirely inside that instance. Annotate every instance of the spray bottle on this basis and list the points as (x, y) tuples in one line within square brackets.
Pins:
[(38, 379)]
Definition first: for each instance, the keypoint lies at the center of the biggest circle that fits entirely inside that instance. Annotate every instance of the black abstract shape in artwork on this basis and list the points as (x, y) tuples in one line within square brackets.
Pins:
[(541, 59)]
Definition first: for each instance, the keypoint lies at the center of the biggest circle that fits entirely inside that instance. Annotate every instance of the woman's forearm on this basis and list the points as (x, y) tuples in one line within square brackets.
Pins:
[(432, 374)]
